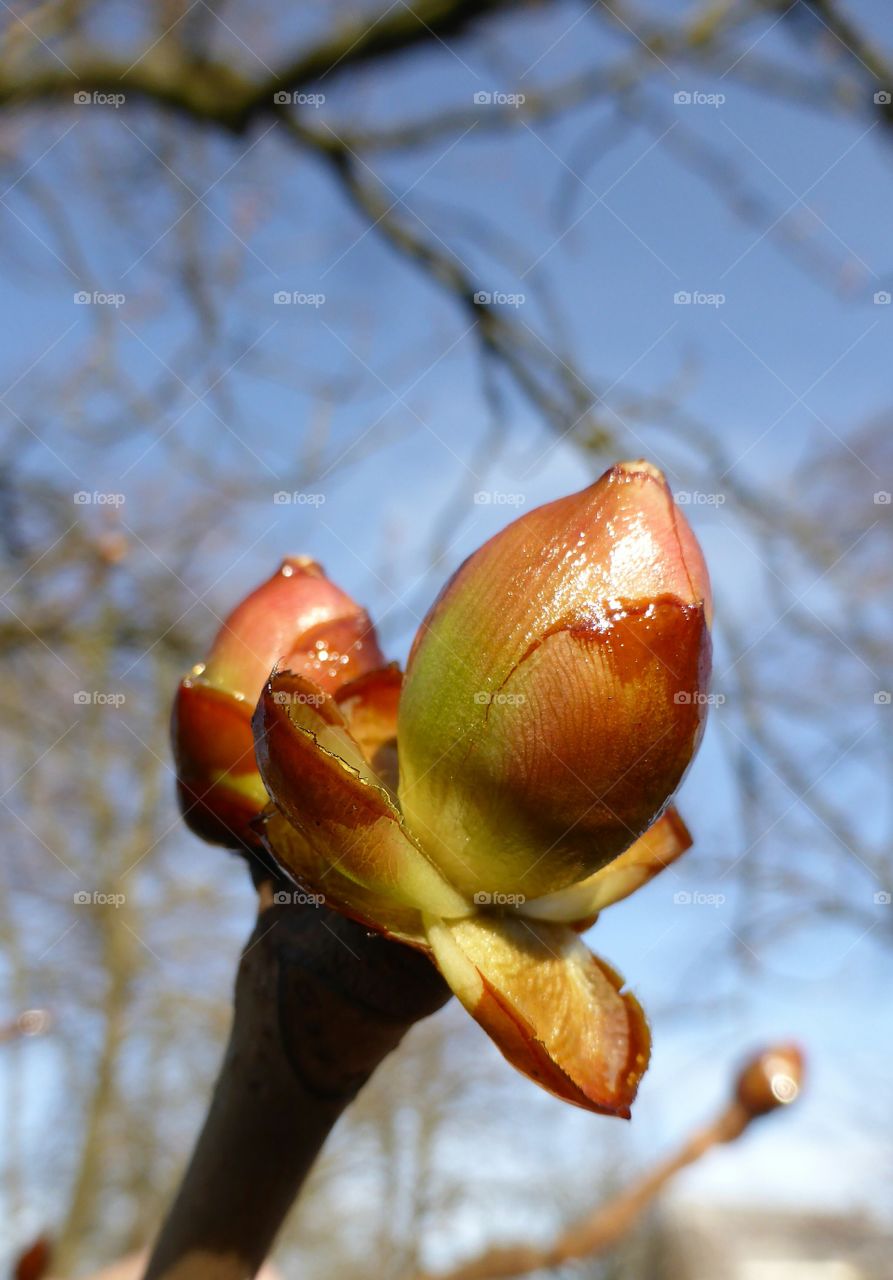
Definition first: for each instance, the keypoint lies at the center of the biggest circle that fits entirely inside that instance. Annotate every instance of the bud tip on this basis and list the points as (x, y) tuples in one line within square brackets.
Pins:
[(771, 1079), (640, 466), (301, 564)]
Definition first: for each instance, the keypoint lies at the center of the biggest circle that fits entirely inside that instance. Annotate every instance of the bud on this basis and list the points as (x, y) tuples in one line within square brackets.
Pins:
[(552, 701), (771, 1079), (551, 707), (297, 618)]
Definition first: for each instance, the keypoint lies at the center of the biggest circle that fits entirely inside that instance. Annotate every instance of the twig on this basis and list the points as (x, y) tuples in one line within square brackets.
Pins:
[(768, 1081), (319, 1003)]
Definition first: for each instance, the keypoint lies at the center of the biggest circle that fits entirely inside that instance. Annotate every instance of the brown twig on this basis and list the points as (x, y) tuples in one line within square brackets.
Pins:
[(319, 1003), (769, 1080)]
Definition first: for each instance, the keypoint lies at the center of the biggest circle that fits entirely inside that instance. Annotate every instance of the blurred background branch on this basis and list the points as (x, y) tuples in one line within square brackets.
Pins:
[(770, 1080)]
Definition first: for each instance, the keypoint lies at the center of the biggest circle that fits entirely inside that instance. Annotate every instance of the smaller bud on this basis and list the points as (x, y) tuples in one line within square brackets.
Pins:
[(297, 619), (770, 1079)]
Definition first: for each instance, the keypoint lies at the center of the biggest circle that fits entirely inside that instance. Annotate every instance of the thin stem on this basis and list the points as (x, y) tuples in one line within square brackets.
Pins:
[(601, 1228)]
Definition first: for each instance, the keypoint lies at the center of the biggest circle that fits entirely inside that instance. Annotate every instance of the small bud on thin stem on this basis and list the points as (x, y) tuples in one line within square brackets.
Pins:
[(771, 1079)]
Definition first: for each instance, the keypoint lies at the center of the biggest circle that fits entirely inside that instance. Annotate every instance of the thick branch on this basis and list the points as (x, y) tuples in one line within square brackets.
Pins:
[(319, 1003), (216, 93)]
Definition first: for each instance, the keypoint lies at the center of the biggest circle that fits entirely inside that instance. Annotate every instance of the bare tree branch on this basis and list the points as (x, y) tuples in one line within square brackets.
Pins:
[(217, 93)]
